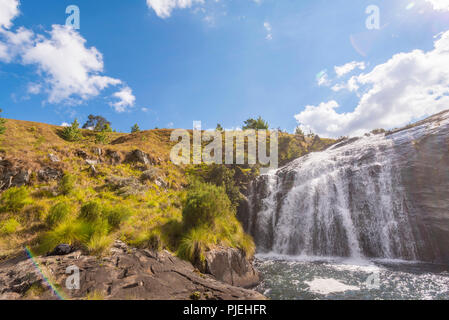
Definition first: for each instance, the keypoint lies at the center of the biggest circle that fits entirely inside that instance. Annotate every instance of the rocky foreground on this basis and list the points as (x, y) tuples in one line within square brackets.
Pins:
[(126, 273)]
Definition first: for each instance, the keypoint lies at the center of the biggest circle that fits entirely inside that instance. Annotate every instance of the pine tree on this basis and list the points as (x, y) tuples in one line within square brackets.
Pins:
[(135, 128), (256, 124), (73, 132)]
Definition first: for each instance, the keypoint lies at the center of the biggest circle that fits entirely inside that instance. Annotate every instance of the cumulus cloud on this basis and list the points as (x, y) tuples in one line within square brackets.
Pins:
[(9, 9), (70, 69), (349, 67), (439, 5), (406, 88), (125, 99), (70, 72), (164, 8)]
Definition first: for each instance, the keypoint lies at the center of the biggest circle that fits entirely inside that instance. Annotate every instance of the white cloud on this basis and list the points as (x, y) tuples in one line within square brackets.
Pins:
[(164, 8), (69, 68), (350, 85), (65, 124), (439, 5), (406, 88), (70, 71), (269, 30), (349, 67), (126, 99), (9, 9)]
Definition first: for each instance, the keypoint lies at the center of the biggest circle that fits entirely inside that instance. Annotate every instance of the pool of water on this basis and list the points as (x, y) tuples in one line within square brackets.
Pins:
[(306, 278)]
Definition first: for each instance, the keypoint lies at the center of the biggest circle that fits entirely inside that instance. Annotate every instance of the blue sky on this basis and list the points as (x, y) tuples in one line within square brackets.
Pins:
[(224, 61)]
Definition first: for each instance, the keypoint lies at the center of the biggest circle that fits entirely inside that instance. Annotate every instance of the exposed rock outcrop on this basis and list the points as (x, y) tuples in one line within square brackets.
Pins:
[(138, 156), (124, 274), (12, 175), (126, 186), (114, 156), (49, 173), (154, 175)]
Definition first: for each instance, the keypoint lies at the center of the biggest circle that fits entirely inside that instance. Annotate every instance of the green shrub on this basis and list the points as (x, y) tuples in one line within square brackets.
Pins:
[(72, 133), (102, 137), (67, 184), (222, 176), (117, 215), (91, 211), (59, 213), (204, 203), (14, 199), (9, 226)]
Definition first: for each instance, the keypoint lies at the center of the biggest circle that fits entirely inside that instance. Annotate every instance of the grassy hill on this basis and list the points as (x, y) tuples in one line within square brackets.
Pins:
[(88, 194)]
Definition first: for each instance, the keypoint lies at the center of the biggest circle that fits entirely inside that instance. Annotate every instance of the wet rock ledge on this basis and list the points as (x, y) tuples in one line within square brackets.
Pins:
[(126, 273)]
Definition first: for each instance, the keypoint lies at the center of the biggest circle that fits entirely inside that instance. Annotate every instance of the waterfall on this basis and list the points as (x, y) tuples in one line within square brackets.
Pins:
[(346, 201)]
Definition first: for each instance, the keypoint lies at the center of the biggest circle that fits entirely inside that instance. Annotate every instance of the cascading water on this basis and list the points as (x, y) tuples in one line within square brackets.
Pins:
[(346, 201), (328, 224)]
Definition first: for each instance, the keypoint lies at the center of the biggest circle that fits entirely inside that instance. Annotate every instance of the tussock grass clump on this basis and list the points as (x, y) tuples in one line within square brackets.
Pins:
[(99, 243), (59, 213), (9, 226), (117, 215), (195, 243), (67, 184), (93, 230), (14, 199), (78, 233), (91, 211)]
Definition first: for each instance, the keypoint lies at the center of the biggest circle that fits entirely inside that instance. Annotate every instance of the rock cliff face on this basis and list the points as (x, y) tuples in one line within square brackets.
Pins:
[(125, 273), (385, 195)]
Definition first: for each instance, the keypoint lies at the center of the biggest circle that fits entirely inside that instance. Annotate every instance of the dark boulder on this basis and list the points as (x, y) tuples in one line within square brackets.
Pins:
[(138, 156), (231, 266), (114, 157), (61, 250)]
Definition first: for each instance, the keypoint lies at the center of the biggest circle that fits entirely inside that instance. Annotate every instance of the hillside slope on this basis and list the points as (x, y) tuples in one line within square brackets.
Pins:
[(89, 194)]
